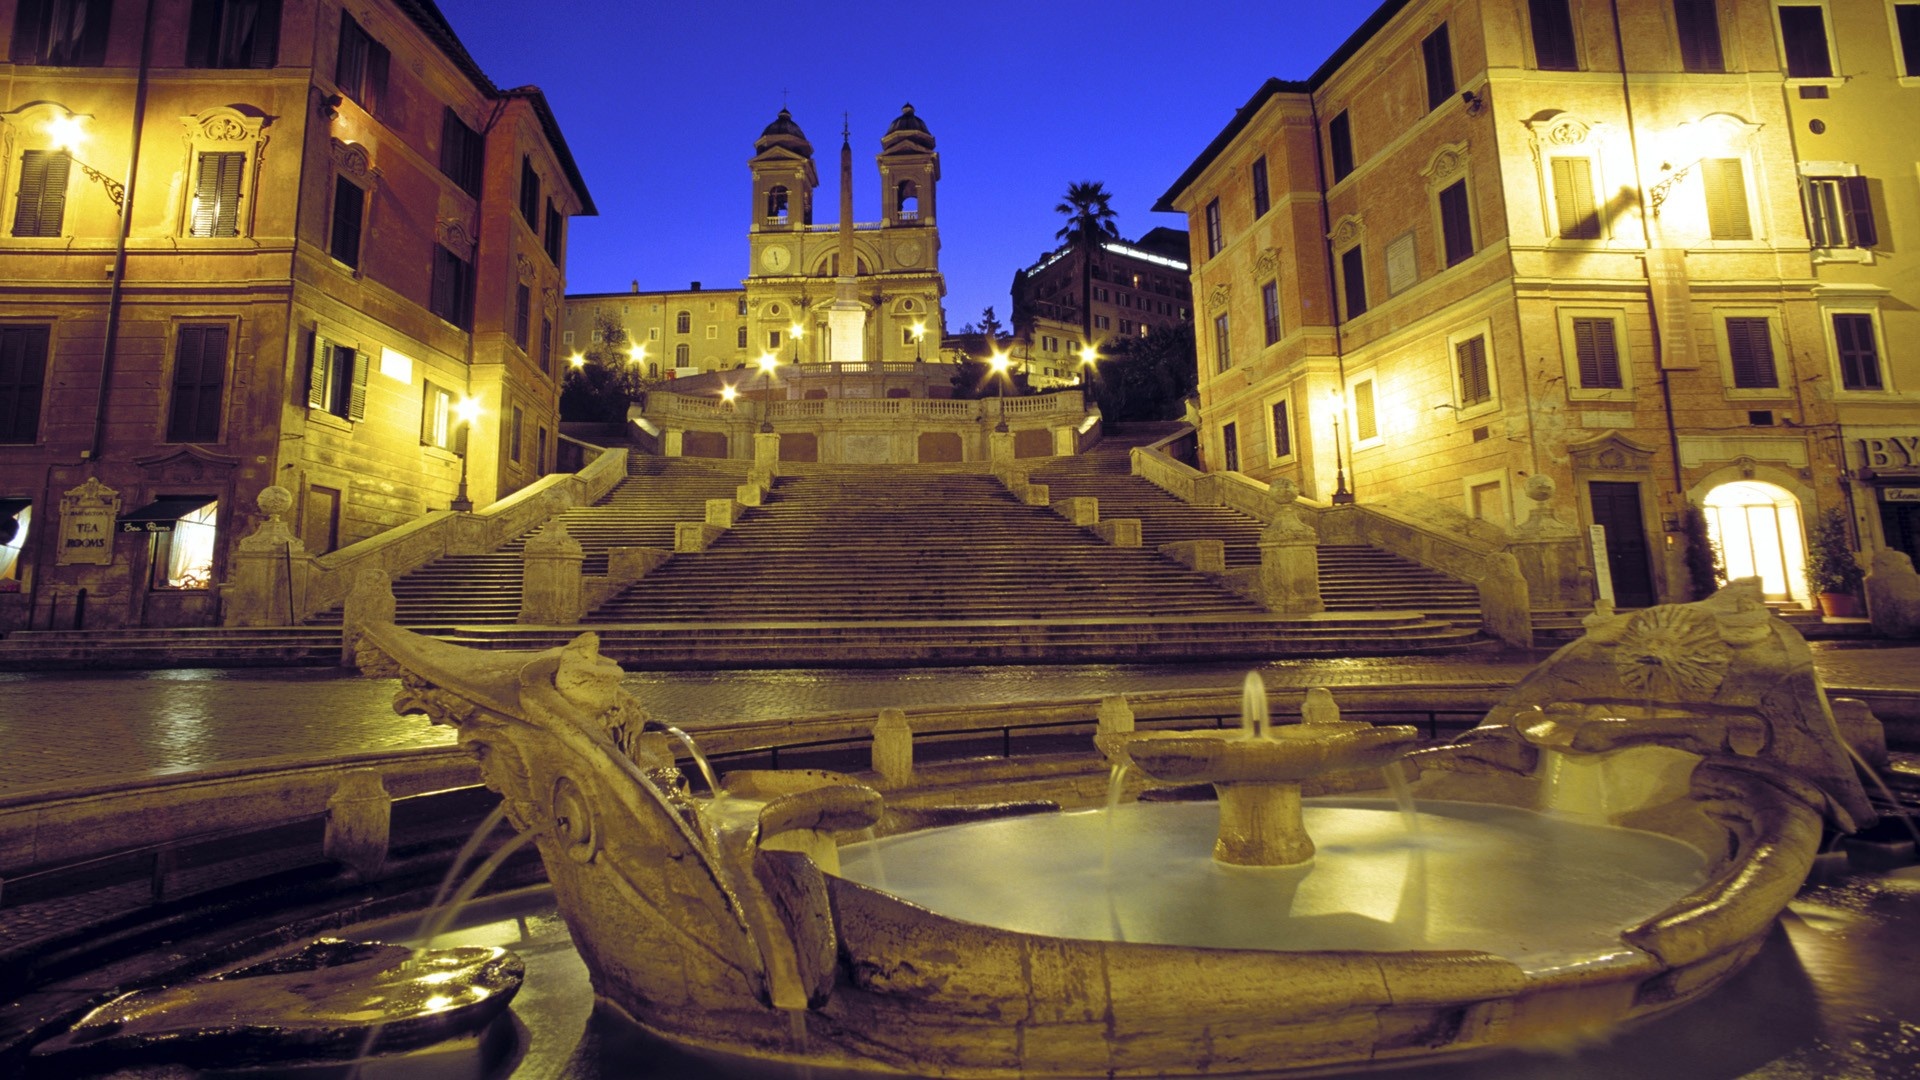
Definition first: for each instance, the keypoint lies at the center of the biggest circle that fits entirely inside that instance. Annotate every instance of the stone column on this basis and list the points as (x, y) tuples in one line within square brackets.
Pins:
[(672, 442), (766, 456), (1548, 551), (359, 821), (1289, 556), (369, 601), (270, 569), (893, 748), (1000, 450), (550, 580)]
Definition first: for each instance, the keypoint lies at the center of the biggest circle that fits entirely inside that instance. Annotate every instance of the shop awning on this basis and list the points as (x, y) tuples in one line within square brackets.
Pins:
[(161, 514)]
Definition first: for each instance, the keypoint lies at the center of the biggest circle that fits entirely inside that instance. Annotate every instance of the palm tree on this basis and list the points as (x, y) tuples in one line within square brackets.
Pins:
[(1089, 221)]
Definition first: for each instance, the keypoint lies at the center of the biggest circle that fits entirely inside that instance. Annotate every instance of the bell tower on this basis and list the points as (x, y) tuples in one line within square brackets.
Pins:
[(909, 170), (783, 178)]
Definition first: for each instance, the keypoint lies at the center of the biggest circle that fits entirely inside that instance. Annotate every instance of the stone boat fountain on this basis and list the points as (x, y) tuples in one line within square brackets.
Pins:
[(1689, 749)]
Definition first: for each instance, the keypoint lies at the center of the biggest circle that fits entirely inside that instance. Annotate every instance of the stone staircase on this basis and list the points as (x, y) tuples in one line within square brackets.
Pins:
[(175, 647), (1352, 577)]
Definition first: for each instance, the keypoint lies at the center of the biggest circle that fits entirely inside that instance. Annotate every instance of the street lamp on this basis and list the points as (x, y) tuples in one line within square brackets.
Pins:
[(1089, 363), (1341, 496), (578, 360), (998, 362), (768, 362), (728, 393), (466, 412), (919, 335), (67, 134), (637, 352), (796, 331)]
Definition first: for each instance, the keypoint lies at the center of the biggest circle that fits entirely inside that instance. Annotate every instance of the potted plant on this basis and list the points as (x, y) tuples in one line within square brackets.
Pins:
[(1833, 574)]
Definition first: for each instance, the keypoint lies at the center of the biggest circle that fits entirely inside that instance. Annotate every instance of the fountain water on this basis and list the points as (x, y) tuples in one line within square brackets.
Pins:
[(1716, 800)]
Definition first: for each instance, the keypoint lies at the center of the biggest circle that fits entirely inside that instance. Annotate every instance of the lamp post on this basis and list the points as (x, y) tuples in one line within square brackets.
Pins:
[(797, 331), (1089, 363), (919, 335), (637, 354), (466, 412), (728, 393), (998, 362), (1341, 496), (768, 362), (66, 134)]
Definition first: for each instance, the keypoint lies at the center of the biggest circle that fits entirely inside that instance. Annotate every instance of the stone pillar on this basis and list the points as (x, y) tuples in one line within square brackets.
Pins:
[(672, 442), (1506, 606), (359, 820), (1893, 595), (1549, 552), (369, 601), (550, 580), (893, 748), (1066, 440), (766, 454), (1000, 450), (1115, 715), (270, 569), (1289, 556), (1319, 707)]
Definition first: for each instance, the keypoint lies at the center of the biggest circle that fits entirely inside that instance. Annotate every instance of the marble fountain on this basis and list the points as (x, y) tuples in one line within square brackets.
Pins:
[(1616, 838)]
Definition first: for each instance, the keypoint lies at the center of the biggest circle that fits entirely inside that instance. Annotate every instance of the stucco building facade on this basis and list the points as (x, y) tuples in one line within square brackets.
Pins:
[(1475, 247), (253, 243)]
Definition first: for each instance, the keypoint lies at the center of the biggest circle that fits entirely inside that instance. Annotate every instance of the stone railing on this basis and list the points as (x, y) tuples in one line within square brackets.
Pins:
[(276, 583), (748, 407), (664, 404)]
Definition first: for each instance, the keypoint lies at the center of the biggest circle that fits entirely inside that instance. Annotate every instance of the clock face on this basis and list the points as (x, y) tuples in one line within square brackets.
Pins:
[(908, 253), (776, 258)]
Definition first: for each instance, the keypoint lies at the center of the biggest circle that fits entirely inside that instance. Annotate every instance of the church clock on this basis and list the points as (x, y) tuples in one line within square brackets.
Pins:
[(776, 258)]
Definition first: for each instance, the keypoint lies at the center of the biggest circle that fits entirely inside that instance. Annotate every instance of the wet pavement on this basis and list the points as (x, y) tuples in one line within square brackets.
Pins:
[(69, 728)]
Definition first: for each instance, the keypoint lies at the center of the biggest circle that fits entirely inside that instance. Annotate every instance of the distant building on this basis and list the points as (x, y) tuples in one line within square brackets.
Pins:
[(336, 229), (1475, 249), (669, 332), (1136, 286)]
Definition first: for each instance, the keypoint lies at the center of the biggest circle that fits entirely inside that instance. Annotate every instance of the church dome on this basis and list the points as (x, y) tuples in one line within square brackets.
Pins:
[(783, 133), (907, 127)]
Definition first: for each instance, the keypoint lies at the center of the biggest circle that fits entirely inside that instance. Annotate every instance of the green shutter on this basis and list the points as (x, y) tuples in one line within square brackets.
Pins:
[(1750, 353), (1598, 354), (357, 402), (216, 194), (1573, 198), (41, 207), (1726, 188), (1475, 388), (320, 358), (1853, 339)]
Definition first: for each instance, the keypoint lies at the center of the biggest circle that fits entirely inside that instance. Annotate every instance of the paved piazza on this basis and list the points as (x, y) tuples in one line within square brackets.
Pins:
[(70, 728)]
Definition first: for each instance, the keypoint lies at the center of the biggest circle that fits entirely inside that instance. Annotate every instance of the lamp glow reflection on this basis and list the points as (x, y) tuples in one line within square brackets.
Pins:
[(466, 411)]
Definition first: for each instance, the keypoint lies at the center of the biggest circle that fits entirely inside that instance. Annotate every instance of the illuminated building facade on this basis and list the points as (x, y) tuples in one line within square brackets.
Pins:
[(1475, 248), (671, 332), (1136, 287), (253, 243)]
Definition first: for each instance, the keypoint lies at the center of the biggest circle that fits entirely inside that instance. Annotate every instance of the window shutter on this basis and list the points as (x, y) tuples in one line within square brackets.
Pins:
[(226, 221), (1573, 198), (216, 195), (350, 62), (1726, 199), (199, 372), (1859, 210), (27, 32), (1364, 427), (23, 366), (41, 207), (1282, 431), (1471, 355), (377, 61), (1803, 30), (203, 31), (1750, 351), (1456, 222), (1859, 357), (1438, 53), (1353, 274), (1598, 354), (320, 358), (349, 205), (1553, 44), (1340, 146), (357, 402), (266, 34)]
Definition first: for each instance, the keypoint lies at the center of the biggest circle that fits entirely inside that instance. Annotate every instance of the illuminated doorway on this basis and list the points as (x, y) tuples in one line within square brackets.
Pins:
[(1758, 528)]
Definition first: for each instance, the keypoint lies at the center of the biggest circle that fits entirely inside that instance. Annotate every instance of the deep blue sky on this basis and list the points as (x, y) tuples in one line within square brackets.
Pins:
[(661, 104)]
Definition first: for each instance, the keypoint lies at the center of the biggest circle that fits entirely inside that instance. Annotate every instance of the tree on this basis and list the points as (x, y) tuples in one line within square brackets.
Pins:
[(1089, 221), (1147, 378), (991, 327), (601, 388)]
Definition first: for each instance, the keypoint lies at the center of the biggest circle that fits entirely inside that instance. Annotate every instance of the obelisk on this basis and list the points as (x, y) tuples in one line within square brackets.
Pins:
[(847, 320)]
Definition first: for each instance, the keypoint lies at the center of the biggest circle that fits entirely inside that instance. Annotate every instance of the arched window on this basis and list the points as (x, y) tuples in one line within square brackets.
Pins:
[(907, 199), (682, 322), (777, 202), (681, 354)]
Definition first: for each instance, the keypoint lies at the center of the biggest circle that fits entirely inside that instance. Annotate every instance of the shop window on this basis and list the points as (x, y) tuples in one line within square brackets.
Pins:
[(233, 34), (180, 541), (16, 521)]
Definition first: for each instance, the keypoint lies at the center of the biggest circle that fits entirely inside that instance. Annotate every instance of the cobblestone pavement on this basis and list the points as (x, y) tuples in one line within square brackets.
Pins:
[(71, 728)]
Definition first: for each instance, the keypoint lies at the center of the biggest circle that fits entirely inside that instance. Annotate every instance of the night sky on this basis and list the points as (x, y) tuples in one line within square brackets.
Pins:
[(661, 104)]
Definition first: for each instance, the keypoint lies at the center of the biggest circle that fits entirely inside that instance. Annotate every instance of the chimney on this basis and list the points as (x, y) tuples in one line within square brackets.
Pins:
[(695, 287)]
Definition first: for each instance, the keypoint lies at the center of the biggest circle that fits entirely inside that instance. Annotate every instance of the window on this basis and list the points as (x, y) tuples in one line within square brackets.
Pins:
[(1270, 310), (1907, 21), (1101, 322), (337, 379), (234, 34), (1803, 36), (41, 207), (529, 194), (216, 194), (1553, 45), (1353, 276), (777, 202), (540, 449), (349, 206), (514, 434), (23, 375), (1282, 443), (436, 417), (1470, 365), (360, 69), (1214, 241), (682, 322), (682, 356), (546, 344), (1365, 428), (1750, 354), (522, 315), (740, 306), (199, 377), (1854, 342), (461, 153), (1222, 352), (556, 224), (61, 33), (1340, 146), (740, 338), (1456, 222), (1261, 200), (452, 297), (1839, 211), (1726, 188), (1573, 198), (1230, 442), (1438, 52), (1596, 351), (16, 521), (180, 552), (1698, 24)]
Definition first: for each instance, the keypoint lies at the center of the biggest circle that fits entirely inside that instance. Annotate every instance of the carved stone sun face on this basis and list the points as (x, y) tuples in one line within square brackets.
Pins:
[(1671, 652)]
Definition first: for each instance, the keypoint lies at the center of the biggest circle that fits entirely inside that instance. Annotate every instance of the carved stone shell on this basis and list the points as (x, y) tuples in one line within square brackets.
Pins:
[(1671, 652)]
